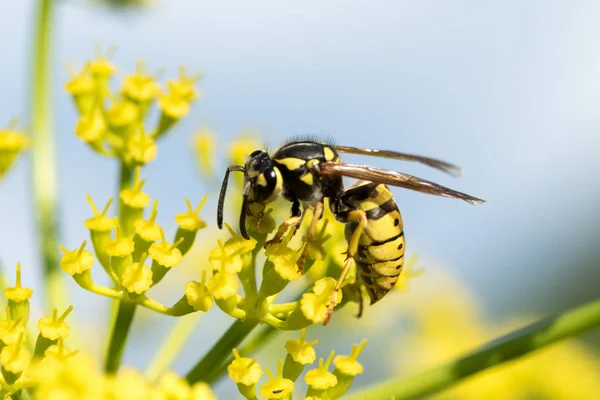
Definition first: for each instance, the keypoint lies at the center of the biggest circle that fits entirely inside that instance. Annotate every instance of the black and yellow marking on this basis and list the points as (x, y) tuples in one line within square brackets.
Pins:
[(380, 255), (375, 236), (306, 172)]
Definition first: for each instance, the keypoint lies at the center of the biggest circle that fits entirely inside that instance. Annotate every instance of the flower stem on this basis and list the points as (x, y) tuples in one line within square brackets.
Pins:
[(44, 175), (501, 350), (119, 335), (123, 315), (172, 345), (236, 333)]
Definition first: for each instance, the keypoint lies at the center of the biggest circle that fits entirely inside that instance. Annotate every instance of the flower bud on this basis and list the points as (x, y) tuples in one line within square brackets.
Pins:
[(246, 372), (165, 256), (18, 299), (134, 200), (189, 223), (277, 387), (320, 379), (300, 353), (346, 368), (12, 143), (198, 295), (82, 88), (14, 359), (137, 277), (100, 227)]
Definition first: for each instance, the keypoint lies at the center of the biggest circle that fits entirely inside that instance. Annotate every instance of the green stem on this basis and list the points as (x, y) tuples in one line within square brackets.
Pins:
[(262, 337), (236, 333), (122, 316), (172, 345), (125, 181), (119, 335), (506, 348), (44, 174)]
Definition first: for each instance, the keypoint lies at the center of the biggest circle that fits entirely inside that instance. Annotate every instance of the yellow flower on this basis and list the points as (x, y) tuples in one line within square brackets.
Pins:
[(140, 87), (314, 305), (122, 114), (242, 147), (204, 145), (277, 387), (140, 148), (230, 256), (165, 253), (134, 197), (284, 261), (11, 330), (223, 285), (121, 246), (18, 293), (91, 128), (185, 86), (190, 221), (137, 277), (301, 351), (99, 222), (174, 387), (75, 377), (14, 358), (76, 261), (54, 328), (201, 391), (12, 143), (173, 105), (348, 365), (320, 378), (198, 295), (58, 351), (101, 67), (128, 385), (80, 84), (244, 370), (149, 230)]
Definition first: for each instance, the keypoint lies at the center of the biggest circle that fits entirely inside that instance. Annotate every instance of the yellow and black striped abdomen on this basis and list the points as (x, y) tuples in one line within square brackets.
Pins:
[(380, 254)]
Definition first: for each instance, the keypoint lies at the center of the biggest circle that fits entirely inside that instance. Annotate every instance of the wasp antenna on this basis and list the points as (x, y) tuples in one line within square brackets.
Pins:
[(223, 192), (243, 231)]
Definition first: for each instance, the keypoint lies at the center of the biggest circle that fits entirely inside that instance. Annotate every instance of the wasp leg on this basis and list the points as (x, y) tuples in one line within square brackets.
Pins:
[(293, 221), (360, 217), (312, 229)]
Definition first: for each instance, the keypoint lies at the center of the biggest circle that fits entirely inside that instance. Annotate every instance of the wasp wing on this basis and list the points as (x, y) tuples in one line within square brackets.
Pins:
[(392, 178), (451, 169)]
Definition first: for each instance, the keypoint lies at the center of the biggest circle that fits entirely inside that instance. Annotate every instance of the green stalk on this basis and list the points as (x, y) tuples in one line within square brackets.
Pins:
[(44, 179), (506, 348), (119, 335), (172, 345), (123, 315), (236, 333)]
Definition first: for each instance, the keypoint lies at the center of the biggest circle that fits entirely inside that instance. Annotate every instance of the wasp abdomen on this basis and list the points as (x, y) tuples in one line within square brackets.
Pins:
[(380, 254)]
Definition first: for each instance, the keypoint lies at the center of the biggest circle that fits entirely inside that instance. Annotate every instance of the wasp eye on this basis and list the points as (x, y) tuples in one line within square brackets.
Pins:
[(255, 153)]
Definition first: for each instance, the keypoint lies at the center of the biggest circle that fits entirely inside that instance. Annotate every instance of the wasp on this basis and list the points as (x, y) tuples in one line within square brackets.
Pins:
[(306, 172)]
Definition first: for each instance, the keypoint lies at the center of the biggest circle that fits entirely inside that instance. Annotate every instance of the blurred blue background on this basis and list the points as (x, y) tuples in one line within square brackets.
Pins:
[(508, 90)]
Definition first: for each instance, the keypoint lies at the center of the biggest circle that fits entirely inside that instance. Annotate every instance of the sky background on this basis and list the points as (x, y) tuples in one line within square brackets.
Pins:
[(508, 90)]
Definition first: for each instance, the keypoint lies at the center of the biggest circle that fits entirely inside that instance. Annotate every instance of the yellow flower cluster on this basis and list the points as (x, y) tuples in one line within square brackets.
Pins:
[(123, 256), (12, 143), (322, 384), (113, 122), (68, 375), (47, 369)]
